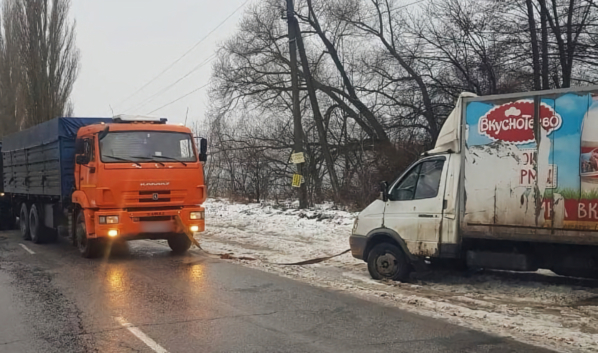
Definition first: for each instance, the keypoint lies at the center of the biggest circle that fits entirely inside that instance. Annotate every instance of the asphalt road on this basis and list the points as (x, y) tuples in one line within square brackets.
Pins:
[(143, 299)]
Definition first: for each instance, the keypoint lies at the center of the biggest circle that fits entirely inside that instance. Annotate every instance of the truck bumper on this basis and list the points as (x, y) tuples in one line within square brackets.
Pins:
[(147, 224), (358, 243)]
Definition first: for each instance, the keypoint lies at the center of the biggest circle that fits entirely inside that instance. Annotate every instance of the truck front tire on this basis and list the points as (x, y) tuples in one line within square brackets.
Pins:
[(179, 243), (387, 261), (24, 222), (89, 248)]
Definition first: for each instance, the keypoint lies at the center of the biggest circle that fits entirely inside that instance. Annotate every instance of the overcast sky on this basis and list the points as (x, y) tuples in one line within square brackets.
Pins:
[(126, 43)]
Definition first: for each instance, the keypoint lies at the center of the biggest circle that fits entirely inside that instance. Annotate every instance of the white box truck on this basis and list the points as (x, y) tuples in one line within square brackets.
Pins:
[(512, 184)]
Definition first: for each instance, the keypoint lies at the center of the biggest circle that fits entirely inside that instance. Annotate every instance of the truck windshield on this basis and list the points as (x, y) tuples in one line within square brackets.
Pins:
[(147, 146)]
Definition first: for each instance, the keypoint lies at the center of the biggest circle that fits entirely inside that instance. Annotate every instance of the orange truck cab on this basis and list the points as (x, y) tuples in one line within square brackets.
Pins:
[(133, 178)]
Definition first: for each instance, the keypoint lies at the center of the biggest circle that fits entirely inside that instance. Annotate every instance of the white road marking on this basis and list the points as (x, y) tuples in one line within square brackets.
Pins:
[(142, 336), (27, 249)]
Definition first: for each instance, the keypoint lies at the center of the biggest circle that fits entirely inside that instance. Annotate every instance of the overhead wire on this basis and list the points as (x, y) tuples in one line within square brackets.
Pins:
[(165, 89), (395, 9), (184, 54), (178, 99), (142, 104)]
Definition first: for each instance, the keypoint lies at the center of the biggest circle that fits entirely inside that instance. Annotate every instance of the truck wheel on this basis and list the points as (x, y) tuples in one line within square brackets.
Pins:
[(24, 222), (89, 248), (37, 230), (179, 243), (387, 261)]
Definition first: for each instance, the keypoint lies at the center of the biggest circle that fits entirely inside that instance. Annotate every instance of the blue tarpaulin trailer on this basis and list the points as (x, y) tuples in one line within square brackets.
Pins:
[(41, 160)]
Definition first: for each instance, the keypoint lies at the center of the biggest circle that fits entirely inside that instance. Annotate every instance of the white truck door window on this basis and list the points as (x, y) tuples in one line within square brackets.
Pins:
[(429, 180), (406, 188), (414, 208)]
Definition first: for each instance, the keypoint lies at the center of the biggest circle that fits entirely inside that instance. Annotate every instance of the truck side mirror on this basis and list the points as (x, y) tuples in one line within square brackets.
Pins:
[(83, 151), (203, 150), (82, 159), (384, 191)]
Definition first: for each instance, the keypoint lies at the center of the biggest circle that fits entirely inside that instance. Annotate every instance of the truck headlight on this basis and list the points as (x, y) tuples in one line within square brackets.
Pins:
[(108, 219), (197, 215)]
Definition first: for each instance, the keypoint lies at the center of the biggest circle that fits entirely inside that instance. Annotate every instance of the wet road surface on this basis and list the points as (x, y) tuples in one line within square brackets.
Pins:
[(144, 299)]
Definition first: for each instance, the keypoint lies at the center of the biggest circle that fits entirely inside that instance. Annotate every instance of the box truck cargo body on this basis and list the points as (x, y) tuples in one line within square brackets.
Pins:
[(512, 183), (41, 160)]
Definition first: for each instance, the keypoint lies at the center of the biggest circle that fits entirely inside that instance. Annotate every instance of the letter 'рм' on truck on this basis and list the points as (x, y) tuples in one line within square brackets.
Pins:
[(104, 179), (511, 184)]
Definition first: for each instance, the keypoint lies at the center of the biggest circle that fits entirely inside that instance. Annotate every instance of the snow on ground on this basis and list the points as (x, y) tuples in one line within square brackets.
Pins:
[(538, 308)]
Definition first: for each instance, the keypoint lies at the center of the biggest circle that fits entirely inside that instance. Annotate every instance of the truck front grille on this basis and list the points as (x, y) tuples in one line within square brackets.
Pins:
[(155, 219), (156, 200), (154, 196), (145, 198)]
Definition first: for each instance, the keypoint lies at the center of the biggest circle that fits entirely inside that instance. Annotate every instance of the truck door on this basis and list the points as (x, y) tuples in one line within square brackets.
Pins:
[(415, 205), (87, 178)]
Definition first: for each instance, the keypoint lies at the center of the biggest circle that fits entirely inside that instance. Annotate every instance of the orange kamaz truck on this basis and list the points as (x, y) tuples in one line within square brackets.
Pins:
[(98, 180)]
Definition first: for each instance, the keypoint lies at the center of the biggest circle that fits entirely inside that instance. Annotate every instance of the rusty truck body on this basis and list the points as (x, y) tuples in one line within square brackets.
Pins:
[(512, 184)]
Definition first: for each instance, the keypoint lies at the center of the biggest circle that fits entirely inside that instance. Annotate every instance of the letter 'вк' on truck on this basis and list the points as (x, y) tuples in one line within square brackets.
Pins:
[(104, 179), (511, 184)]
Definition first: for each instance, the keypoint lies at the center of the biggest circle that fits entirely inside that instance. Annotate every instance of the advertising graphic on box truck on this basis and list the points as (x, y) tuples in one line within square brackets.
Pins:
[(105, 180), (512, 183), (562, 166)]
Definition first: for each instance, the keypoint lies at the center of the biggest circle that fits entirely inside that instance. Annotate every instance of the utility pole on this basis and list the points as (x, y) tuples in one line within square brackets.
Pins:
[(298, 128), (311, 90)]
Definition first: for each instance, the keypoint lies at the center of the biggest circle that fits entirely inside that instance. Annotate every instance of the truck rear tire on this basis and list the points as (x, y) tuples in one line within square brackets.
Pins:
[(89, 248), (24, 222), (37, 230), (179, 243), (387, 261)]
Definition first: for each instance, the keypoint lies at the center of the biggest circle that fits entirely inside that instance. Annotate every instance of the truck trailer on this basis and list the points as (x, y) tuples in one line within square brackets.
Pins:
[(104, 180), (511, 184)]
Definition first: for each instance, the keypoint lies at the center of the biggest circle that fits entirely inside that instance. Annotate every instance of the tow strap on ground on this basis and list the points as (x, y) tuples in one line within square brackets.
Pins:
[(312, 261), (227, 256)]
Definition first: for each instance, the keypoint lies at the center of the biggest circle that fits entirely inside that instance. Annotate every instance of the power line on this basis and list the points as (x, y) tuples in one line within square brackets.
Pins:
[(178, 99), (147, 100), (406, 5), (396, 8), (185, 54)]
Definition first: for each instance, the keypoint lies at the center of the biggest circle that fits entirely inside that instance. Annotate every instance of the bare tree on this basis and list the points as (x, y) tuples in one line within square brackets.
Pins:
[(386, 76), (40, 60), (12, 110)]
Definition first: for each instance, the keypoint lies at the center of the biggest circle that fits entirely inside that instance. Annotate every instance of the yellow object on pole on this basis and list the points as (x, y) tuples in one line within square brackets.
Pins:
[(297, 180)]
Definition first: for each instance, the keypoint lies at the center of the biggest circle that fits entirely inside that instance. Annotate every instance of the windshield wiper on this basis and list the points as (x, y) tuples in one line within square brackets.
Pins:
[(149, 158), (173, 159), (122, 159)]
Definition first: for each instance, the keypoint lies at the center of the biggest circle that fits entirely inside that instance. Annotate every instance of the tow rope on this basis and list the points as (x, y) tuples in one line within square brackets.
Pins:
[(230, 257), (187, 231), (312, 261)]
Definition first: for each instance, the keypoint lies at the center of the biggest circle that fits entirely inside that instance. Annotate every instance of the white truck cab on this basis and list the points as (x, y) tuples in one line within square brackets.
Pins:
[(415, 218)]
